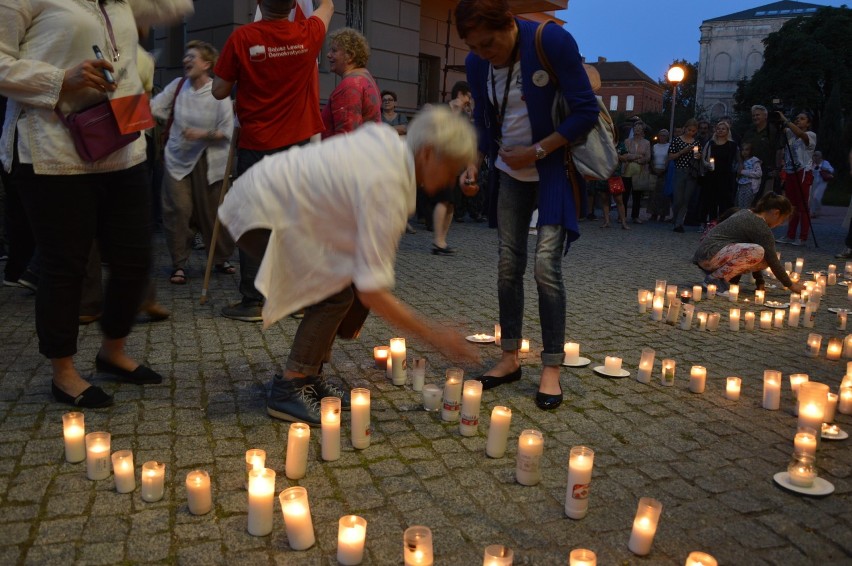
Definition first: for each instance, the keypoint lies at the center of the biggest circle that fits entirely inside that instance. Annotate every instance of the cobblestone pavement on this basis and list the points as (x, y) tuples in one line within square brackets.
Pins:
[(710, 461)]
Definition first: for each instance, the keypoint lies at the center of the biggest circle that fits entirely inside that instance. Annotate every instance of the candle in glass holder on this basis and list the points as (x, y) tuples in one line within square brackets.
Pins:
[(671, 293), (398, 357), (153, 481), (847, 347), (351, 535), (123, 471), (525, 345), (296, 461), (702, 320), (642, 296), (572, 353), (360, 418), (471, 402), (418, 374), (733, 292), (497, 555), (696, 293), (528, 460), (582, 557), (805, 442), (765, 320), (810, 314), (644, 526), (667, 375), (612, 365), (771, 389), (580, 464), (297, 516), (673, 312), (734, 320), (801, 470), (795, 313), (261, 498), (749, 320), (814, 345), (830, 407), (732, 388), (844, 404), (686, 314), (97, 455), (199, 496), (831, 279), (800, 263), (685, 296), (842, 316), (417, 546), (255, 459), (778, 318), (432, 397), (380, 356), (657, 308), (700, 559), (713, 321), (660, 287), (849, 292), (452, 395), (834, 349), (812, 398), (498, 431), (330, 422), (697, 379), (711, 291), (646, 365), (74, 433), (759, 296)]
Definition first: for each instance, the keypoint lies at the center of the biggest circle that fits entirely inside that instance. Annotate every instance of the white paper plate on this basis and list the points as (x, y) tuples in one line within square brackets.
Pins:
[(819, 488), (841, 435), (844, 283), (836, 310), (480, 338), (775, 304), (581, 363), (600, 371)]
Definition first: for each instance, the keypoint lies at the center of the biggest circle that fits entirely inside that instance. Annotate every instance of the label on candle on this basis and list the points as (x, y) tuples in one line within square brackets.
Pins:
[(452, 405), (581, 491), (529, 462), (469, 420)]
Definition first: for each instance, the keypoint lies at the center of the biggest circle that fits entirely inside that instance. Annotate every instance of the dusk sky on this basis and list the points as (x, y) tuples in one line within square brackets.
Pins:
[(648, 34)]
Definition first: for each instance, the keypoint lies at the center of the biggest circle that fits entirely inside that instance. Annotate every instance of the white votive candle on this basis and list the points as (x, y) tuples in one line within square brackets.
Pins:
[(674, 311), (298, 439), (199, 496), (830, 407), (452, 395), (810, 314), (261, 498), (153, 481), (778, 319), (351, 535), (417, 546), (497, 555), (642, 297), (74, 432), (644, 526), (771, 389), (471, 401), (297, 517), (660, 287), (734, 320), (812, 398), (418, 374), (702, 321), (525, 345), (255, 460), (834, 349), (844, 404), (657, 308), (398, 357), (749, 320), (667, 374), (671, 293), (711, 291), (831, 279), (713, 321), (697, 379), (733, 292), (123, 471), (842, 317), (686, 314), (732, 388), (528, 462), (697, 291), (380, 356), (795, 313), (580, 464), (97, 455), (759, 296), (646, 365), (572, 353), (432, 397), (360, 418), (612, 365), (847, 347), (805, 442), (814, 345), (498, 431), (800, 263), (582, 557), (700, 559), (330, 421), (765, 320)]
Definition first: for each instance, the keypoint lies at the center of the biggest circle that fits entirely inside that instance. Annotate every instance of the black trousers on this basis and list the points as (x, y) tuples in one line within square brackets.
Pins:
[(19, 234), (67, 213)]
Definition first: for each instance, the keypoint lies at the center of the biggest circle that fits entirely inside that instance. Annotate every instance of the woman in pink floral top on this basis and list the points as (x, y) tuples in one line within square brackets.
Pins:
[(356, 99)]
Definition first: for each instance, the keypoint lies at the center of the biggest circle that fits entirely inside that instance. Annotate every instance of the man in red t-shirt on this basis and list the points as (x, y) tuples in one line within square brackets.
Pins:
[(273, 63)]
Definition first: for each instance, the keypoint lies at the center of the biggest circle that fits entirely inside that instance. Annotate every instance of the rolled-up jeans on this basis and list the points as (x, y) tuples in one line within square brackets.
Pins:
[(515, 205)]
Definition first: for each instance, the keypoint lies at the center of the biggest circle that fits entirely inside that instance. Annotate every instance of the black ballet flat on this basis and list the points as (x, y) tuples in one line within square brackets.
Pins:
[(141, 375), (92, 398), (491, 381), (548, 402)]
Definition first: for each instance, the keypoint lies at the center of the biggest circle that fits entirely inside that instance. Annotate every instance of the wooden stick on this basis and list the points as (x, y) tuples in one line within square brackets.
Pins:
[(226, 184)]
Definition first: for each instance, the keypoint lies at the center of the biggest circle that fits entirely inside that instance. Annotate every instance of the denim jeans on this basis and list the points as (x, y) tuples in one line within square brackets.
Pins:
[(516, 202), (317, 331), (684, 188)]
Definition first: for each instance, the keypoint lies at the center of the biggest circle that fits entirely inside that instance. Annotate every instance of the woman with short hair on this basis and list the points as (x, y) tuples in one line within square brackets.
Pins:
[(389, 114), (356, 99)]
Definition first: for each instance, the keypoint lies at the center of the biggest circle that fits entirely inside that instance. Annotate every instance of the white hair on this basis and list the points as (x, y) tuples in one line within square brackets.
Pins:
[(450, 135)]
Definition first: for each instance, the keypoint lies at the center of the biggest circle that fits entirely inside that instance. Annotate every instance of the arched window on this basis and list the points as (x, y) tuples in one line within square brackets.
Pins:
[(722, 67), (753, 63)]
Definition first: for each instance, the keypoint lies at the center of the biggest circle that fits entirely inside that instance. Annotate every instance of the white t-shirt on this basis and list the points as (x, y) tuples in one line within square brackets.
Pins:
[(517, 129), (804, 153), (661, 155), (336, 211)]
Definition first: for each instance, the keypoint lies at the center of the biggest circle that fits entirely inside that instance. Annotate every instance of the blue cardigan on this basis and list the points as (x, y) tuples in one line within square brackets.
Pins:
[(556, 195)]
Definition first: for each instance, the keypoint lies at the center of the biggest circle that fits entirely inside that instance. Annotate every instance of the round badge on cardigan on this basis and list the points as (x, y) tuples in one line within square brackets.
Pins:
[(540, 78)]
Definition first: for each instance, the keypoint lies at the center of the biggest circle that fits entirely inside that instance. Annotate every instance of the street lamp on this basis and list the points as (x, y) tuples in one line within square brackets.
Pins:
[(675, 75)]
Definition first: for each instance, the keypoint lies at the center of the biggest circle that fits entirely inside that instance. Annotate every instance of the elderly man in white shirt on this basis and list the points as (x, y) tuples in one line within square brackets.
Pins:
[(330, 217)]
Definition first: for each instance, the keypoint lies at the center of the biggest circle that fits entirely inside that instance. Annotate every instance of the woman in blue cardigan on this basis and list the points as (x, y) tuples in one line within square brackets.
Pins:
[(514, 96)]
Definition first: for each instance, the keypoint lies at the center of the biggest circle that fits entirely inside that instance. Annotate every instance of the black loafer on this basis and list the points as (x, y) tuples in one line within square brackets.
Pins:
[(92, 398), (141, 375), (491, 381), (547, 402)]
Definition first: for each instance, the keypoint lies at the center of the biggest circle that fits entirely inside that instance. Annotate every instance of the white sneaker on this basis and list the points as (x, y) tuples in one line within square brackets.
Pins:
[(797, 242), (784, 240)]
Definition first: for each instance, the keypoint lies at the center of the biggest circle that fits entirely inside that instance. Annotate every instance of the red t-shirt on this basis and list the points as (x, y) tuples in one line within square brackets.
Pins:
[(274, 64), (355, 101)]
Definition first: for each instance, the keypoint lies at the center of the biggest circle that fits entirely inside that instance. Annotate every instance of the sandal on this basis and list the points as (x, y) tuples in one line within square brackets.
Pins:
[(178, 277), (226, 268)]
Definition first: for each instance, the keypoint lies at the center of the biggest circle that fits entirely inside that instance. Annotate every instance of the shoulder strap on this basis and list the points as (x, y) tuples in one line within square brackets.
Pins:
[(171, 119), (542, 56)]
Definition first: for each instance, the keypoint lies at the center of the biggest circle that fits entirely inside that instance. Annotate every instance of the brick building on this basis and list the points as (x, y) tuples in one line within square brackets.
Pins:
[(624, 88)]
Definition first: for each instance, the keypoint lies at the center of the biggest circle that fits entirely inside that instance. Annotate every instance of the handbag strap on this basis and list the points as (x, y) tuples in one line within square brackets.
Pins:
[(171, 119), (542, 56)]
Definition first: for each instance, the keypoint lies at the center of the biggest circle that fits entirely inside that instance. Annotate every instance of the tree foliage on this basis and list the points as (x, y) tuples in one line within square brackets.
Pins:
[(686, 89)]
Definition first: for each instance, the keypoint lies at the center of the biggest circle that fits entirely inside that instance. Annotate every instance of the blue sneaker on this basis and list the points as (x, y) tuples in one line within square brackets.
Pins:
[(325, 388), (721, 285)]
